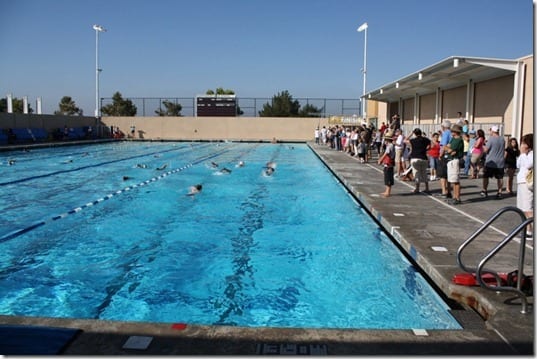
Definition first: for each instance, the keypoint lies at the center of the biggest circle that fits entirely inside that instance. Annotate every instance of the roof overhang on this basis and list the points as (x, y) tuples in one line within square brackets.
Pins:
[(455, 71)]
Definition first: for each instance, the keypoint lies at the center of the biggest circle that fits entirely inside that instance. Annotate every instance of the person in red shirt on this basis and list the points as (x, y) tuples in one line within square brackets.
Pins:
[(383, 128), (434, 154)]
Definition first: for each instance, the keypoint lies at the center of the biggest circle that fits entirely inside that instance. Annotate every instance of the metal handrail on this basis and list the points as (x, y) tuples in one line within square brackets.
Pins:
[(479, 270), (521, 228), (480, 230)]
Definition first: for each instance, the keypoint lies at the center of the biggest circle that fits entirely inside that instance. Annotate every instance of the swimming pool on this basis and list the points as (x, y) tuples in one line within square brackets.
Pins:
[(293, 249)]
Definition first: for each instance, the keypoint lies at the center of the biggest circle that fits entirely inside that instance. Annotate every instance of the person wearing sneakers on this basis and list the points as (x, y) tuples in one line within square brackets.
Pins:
[(434, 154), (494, 161), (418, 159), (454, 151)]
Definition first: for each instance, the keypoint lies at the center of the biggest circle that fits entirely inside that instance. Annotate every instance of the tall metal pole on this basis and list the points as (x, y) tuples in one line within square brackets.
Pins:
[(97, 29), (363, 28)]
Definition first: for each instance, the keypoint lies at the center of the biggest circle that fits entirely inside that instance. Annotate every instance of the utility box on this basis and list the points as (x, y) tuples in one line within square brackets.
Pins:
[(216, 105)]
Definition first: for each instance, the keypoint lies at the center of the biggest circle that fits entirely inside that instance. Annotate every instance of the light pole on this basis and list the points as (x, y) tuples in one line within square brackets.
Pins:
[(97, 29), (363, 28)]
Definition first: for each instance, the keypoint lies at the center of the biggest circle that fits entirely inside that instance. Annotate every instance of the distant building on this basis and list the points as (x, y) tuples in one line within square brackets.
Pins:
[(485, 90)]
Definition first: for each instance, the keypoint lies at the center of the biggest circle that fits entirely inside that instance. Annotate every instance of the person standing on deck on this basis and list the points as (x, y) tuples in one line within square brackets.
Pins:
[(494, 161), (387, 160), (442, 162), (454, 151), (419, 146), (524, 195)]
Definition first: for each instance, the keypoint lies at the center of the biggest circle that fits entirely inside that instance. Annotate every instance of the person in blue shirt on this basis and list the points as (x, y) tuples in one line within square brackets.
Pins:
[(445, 138)]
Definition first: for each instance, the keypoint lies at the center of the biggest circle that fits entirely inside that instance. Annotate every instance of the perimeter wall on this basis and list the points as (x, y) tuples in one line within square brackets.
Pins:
[(178, 128), (219, 128)]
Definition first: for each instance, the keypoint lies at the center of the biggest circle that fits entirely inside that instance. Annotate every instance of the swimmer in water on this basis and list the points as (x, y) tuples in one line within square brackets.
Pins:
[(194, 190), (162, 167), (141, 165), (126, 178), (224, 171), (240, 164), (11, 162), (269, 168)]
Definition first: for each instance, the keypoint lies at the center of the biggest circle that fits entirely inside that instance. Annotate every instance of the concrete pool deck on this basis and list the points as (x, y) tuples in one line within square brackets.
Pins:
[(418, 222)]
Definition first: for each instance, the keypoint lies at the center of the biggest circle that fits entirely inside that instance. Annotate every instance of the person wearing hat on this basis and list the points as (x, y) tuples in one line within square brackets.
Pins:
[(387, 160), (445, 137), (494, 152), (453, 152)]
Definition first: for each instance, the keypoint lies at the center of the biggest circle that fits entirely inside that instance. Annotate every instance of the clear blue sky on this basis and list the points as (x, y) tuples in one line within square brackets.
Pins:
[(180, 48)]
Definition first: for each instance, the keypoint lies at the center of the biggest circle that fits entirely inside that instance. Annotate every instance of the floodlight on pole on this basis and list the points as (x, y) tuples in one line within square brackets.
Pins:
[(98, 29), (363, 28)]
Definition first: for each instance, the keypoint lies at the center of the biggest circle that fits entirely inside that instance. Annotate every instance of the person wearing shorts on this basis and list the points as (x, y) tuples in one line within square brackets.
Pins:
[(442, 162), (418, 159), (454, 151), (494, 161)]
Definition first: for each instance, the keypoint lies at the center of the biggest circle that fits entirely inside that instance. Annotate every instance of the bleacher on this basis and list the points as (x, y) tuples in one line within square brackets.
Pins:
[(17, 136), (3, 138), (22, 135), (76, 133)]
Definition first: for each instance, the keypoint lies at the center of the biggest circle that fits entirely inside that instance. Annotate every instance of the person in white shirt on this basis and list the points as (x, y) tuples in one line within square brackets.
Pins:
[(524, 195), (399, 148)]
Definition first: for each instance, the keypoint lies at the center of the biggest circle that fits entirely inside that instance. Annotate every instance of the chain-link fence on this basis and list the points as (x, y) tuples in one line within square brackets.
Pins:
[(247, 106)]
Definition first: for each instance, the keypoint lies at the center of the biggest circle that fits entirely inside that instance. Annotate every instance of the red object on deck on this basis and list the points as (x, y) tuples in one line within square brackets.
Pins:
[(179, 326), (469, 279)]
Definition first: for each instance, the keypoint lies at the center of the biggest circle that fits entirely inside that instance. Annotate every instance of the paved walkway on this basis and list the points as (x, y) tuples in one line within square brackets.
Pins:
[(419, 223)]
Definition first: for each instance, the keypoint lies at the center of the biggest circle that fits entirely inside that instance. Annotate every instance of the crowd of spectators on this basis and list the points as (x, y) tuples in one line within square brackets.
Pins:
[(452, 152)]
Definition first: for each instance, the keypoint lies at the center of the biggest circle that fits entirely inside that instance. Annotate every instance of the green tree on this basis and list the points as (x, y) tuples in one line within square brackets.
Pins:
[(172, 109), (68, 107), (310, 111), (220, 91), (18, 105), (119, 107), (282, 105)]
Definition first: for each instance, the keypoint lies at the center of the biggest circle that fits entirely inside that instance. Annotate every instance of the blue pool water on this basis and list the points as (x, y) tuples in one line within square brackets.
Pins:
[(290, 250)]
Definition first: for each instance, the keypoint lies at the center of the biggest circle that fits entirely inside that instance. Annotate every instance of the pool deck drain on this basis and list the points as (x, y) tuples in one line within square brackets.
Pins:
[(503, 331)]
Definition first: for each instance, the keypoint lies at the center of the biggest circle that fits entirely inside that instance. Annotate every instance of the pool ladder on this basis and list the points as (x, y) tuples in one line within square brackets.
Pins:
[(519, 230)]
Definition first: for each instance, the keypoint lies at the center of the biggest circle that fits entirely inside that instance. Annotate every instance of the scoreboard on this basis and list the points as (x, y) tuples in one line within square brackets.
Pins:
[(219, 105)]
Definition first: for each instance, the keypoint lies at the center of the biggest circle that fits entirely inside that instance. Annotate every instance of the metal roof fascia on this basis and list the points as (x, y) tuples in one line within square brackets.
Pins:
[(504, 64)]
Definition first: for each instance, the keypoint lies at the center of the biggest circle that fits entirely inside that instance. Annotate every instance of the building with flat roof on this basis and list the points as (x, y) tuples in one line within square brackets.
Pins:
[(484, 90)]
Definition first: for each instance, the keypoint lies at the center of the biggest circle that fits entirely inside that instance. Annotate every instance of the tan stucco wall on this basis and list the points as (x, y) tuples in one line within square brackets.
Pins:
[(427, 108), (180, 128), (494, 100), (216, 128), (408, 111), (453, 101)]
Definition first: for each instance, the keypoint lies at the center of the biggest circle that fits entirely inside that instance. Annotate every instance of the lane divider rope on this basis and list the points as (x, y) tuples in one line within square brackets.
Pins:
[(19, 232)]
